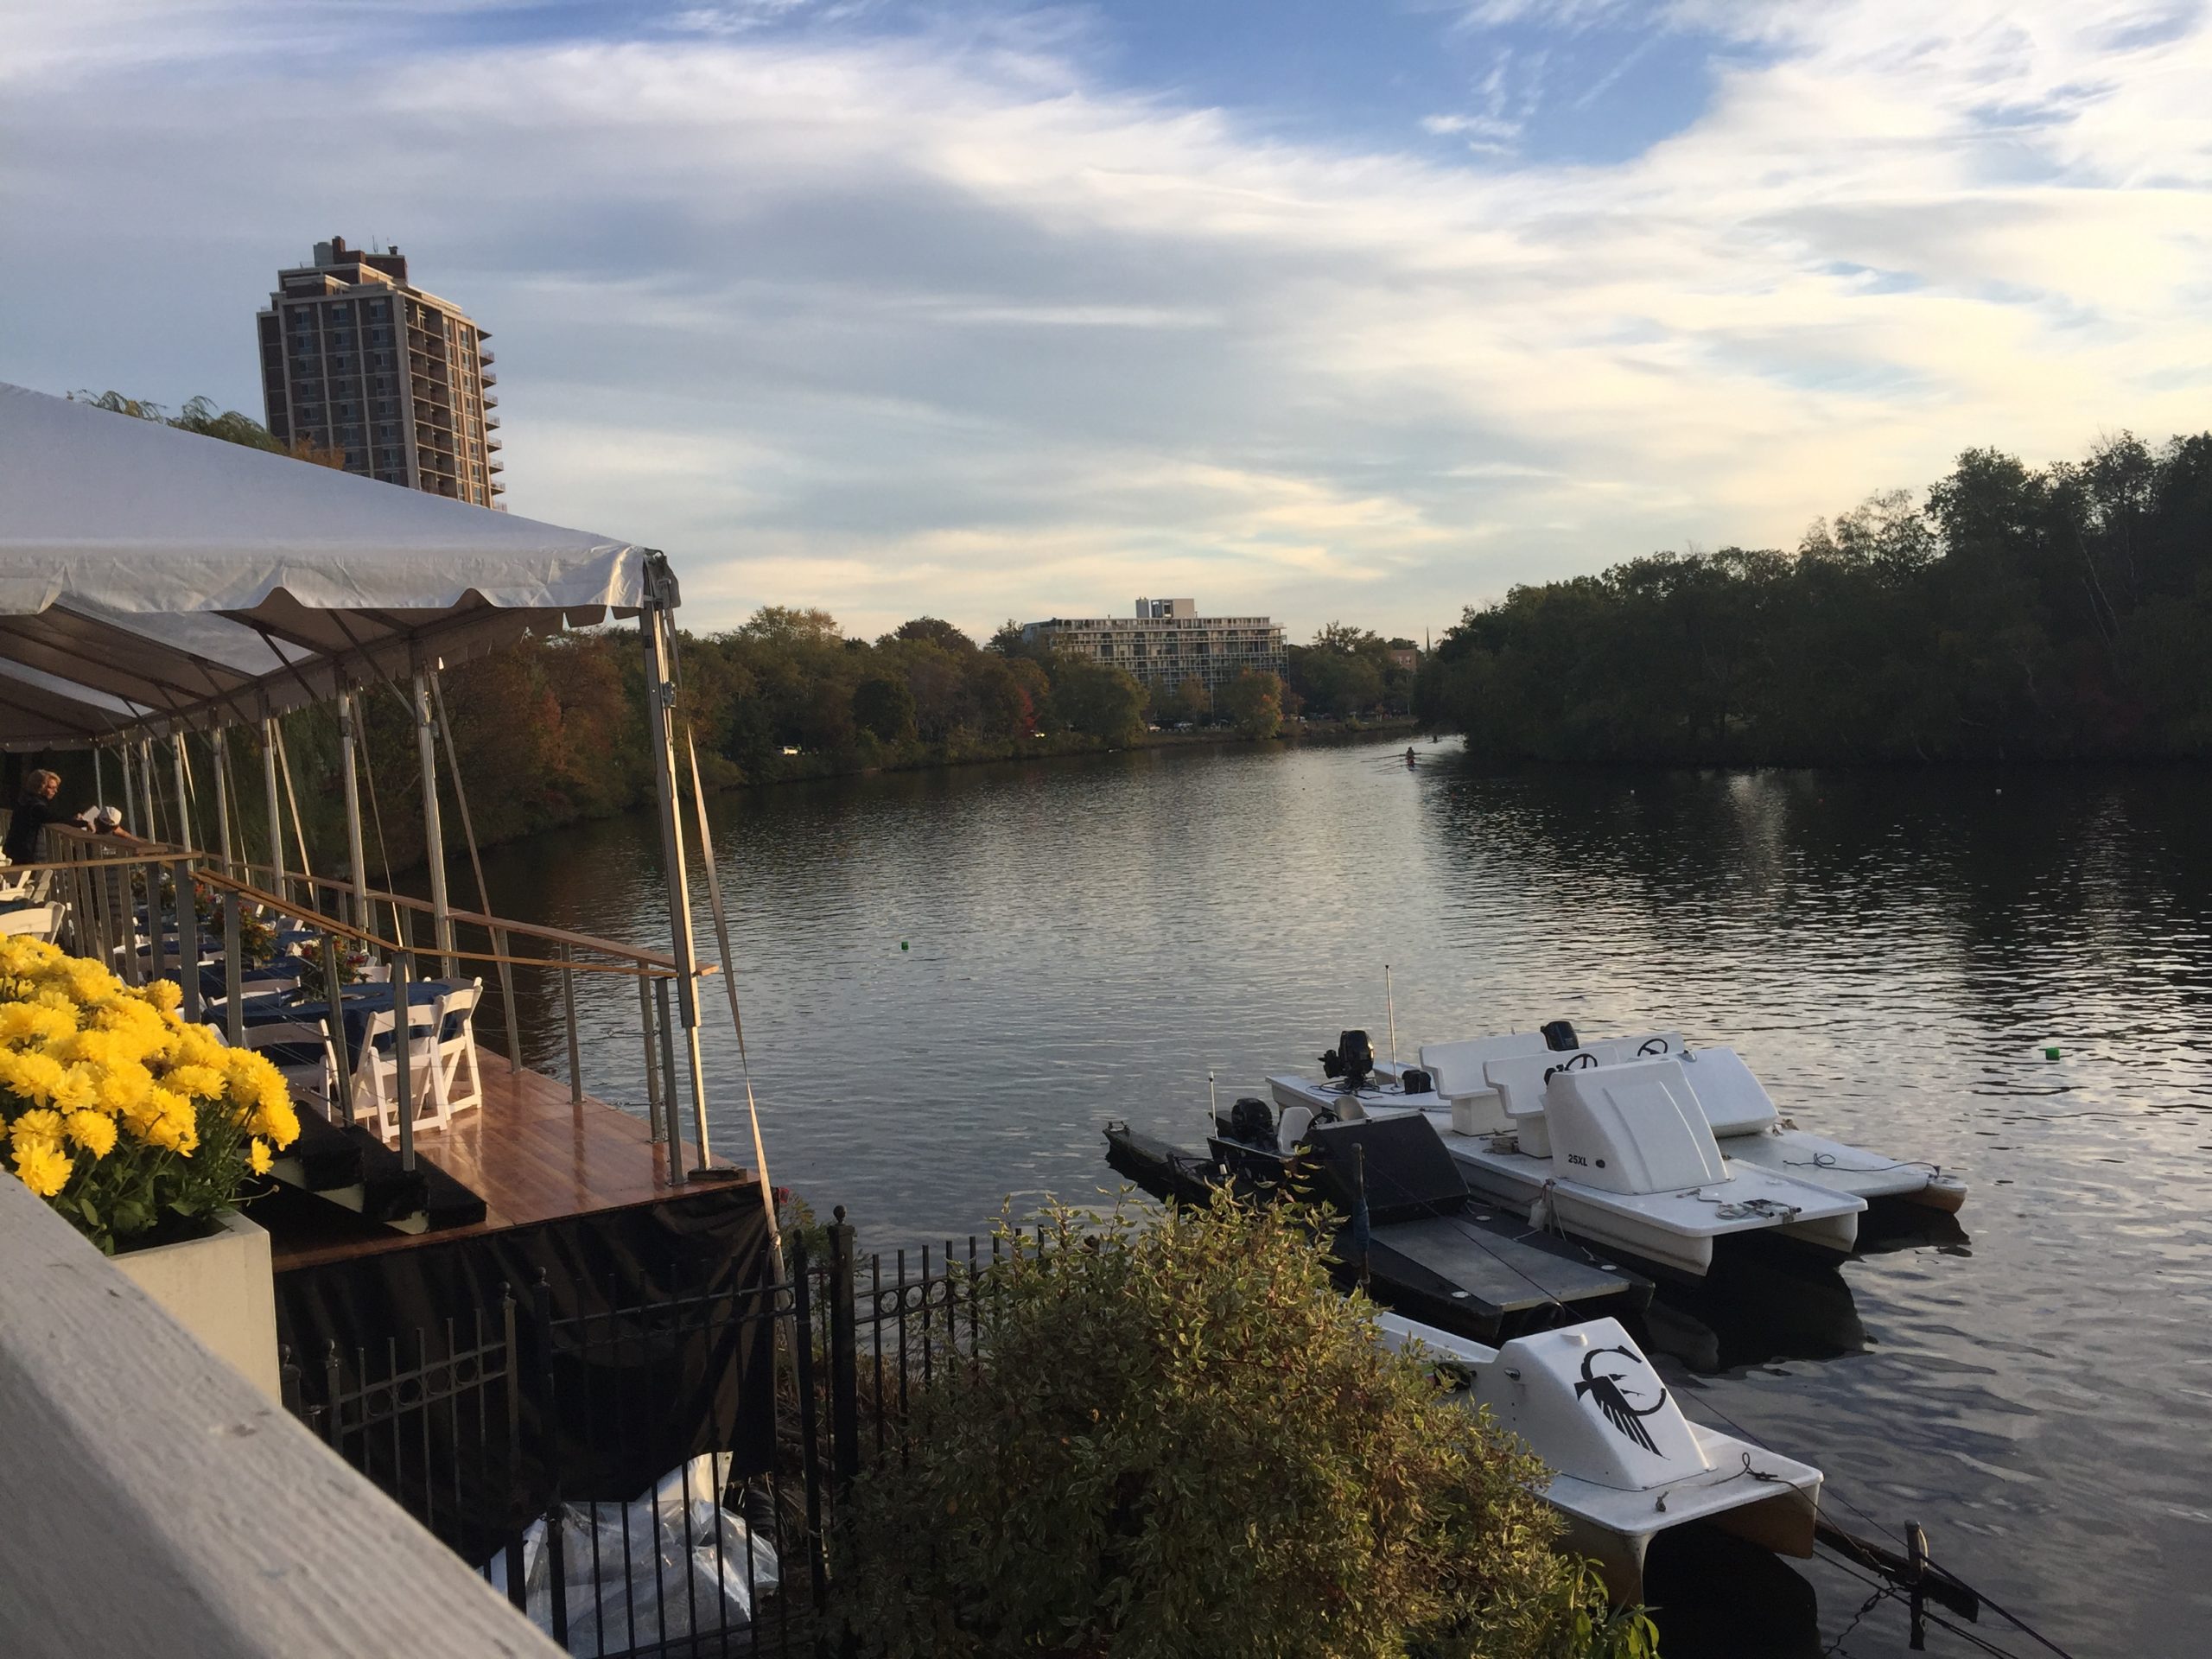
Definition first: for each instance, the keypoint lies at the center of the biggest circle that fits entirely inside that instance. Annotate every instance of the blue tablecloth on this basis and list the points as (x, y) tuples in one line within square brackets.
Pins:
[(356, 1003)]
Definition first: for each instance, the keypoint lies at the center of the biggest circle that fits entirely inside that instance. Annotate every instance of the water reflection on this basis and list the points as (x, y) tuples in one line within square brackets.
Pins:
[(1892, 952)]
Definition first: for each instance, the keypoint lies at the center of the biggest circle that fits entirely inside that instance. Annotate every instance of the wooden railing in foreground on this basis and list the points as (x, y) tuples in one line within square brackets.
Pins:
[(153, 1501)]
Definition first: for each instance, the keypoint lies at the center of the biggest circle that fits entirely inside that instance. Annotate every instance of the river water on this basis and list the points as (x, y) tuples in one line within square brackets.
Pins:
[(952, 979)]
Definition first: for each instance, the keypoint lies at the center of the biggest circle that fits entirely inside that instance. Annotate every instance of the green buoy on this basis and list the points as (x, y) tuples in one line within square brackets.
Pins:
[(2050, 1053), (2054, 1053)]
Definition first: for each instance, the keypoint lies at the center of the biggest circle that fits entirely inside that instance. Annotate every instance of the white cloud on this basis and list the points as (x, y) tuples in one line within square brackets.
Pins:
[(948, 323)]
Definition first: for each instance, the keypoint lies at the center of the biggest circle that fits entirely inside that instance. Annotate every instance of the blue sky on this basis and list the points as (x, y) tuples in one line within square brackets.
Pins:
[(1329, 310)]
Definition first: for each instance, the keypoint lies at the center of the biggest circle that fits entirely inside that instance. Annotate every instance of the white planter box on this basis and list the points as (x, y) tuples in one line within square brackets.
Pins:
[(222, 1289)]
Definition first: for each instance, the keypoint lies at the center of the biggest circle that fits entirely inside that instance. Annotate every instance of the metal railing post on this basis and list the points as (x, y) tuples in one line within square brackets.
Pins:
[(341, 1102), (507, 998), (669, 1131), (187, 940), (575, 1043), (802, 1355), (234, 972), (403, 1077), (652, 1058), (844, 1357)]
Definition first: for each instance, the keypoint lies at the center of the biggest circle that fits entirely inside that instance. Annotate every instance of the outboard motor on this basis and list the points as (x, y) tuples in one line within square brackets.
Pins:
[(1558, 1036), (1253, 1122), (1352, 1059)]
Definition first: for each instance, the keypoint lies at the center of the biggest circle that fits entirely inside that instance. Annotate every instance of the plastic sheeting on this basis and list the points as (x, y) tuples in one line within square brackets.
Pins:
[(672, 1564)]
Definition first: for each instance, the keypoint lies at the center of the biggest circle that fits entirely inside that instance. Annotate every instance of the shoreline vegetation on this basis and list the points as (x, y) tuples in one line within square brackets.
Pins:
[(552, 732), (2015, 615)]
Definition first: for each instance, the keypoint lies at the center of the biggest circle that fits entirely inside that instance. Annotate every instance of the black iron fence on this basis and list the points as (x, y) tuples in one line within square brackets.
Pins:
[(518, 1433)]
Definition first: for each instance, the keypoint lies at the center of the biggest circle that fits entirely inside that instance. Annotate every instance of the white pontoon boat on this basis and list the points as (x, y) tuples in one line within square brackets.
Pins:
[(1626, 1465), (1618, 1154), (1735, 1104)]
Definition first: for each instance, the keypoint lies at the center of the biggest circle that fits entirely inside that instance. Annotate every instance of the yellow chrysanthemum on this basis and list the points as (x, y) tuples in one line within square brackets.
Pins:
[(275, 1118), (34, 1022), (31, 1075), (165, 995), (197, 1045), (202, 1082), (37, 1125), (259, 1158), (43, 1167), (92, 1131), (79, 1089), (124, 1085)]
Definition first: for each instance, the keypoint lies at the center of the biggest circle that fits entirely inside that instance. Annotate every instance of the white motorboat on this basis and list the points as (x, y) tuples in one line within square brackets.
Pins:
[(1625, 1464), (1618, 1154), (1735, 1104)]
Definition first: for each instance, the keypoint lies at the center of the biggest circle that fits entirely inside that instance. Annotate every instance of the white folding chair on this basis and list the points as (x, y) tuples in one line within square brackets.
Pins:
[(40, 921), (376, 1071), (454, 1051)]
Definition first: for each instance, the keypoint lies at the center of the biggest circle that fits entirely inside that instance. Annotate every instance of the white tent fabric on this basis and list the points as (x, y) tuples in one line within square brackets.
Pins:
[(201, 582)]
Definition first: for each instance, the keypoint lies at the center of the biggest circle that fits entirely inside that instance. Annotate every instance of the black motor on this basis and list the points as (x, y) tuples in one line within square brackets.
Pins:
[(1558, 1036), (1352, 1059), (1415, 1081), (1252, 1121)]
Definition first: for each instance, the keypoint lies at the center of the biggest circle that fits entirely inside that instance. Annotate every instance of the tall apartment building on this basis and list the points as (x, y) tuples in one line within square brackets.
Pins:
[(1167, 642), (356, 360)]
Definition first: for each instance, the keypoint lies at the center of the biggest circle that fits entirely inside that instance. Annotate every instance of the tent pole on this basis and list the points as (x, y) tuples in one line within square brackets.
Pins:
[(356, 852), (276, 815), (122, 759), (434, 840), (218, 743), (99, 782), (177, 765), (146, 786), (660, 695)]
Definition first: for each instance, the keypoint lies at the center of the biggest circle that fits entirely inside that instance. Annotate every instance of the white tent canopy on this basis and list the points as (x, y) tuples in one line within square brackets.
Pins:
[(157, 578)]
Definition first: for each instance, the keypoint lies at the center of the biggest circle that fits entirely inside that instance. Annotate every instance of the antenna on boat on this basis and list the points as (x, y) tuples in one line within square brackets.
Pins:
[(1390, 1003), (1213, 1104)]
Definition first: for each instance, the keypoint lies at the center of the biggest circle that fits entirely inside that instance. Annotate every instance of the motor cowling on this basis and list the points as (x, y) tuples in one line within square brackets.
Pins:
[(1352, 1060), (1252, 1121)]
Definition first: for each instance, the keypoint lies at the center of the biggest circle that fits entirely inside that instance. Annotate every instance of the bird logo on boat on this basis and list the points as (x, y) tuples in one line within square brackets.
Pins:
[(1618, 1387)]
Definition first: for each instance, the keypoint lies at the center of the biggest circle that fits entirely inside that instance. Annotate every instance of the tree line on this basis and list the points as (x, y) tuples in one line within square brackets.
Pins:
[(553, 730), (2016, 613)]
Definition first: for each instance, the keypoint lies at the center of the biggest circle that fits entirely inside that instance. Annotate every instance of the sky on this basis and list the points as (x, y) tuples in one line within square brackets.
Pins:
[(1362, 311)]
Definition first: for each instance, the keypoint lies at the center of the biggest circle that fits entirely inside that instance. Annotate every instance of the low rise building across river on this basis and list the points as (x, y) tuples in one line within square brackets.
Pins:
[(1166, 642)]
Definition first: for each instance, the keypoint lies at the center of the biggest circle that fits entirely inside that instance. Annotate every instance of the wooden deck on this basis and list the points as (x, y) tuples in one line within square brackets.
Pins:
[(532, 1155)]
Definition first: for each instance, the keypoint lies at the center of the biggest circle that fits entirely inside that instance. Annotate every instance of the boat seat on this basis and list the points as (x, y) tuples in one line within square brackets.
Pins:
[(1458, 1067), (1520, 1081), (1295, 1120), (1643, 1045), (1632, 1128), (1733, 1101)]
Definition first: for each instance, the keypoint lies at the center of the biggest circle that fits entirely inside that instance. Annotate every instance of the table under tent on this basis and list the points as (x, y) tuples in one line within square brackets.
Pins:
[(166, 600)]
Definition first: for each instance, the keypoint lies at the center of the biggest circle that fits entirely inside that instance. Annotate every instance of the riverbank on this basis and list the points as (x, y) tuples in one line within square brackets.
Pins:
[(869, 757)]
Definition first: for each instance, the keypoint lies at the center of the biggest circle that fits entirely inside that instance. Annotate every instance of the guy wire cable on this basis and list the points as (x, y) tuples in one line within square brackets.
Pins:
[(476, 862), (729, 984)]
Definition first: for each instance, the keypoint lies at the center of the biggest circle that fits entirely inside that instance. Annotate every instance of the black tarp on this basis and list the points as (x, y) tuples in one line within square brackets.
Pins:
[(644, 1336), (1408, 1171)]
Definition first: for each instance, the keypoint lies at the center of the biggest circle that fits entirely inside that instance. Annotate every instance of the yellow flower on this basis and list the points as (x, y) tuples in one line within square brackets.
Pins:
[(33, 1076), (36, 1127), (34, 1022), (202, 1082), (44, 1167), (94, 1133), (80, 1088), (165, 995), (275, 1117), (259, 1158), (124, 1085)]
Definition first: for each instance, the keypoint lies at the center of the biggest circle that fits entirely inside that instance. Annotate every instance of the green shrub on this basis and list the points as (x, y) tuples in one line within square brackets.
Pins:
[(1174, 1440)]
